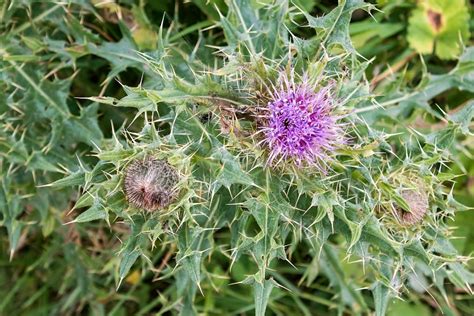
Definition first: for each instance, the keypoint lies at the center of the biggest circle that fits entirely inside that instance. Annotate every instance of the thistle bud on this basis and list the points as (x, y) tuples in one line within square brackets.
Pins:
[(151, 183), (418, 203)]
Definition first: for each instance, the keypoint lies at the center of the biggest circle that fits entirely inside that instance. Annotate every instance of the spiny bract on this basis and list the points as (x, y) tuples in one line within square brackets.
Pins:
[(151, 183)]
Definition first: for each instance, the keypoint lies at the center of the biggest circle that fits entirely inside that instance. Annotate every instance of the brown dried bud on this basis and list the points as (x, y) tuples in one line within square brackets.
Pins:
[(418, 203), (151, 183)]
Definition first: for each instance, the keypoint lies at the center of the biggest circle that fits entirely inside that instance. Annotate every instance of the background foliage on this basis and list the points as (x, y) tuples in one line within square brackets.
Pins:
[(88, 85)]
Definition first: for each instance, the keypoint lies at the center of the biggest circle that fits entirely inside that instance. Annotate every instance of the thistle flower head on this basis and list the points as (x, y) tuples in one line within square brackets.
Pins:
[(300, 123), (151, 183)]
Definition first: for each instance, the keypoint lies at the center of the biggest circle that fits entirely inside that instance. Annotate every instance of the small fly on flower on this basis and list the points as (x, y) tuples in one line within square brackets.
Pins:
[(300, 123)]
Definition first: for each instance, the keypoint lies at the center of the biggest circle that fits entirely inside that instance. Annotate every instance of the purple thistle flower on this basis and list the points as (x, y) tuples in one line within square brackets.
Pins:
[(300, 124)]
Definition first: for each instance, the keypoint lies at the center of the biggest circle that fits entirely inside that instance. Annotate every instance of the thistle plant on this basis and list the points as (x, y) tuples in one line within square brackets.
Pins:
[(273, 146)]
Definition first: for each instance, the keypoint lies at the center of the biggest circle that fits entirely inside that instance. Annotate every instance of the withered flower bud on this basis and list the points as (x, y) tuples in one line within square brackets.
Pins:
[(151, 183), (418, 203)]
